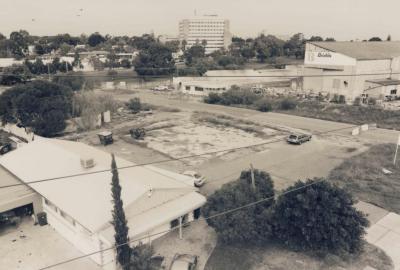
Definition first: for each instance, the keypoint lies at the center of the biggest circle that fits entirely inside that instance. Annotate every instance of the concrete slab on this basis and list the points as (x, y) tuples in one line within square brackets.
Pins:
[(385, 234), (390, 243), (375, 233), (29, 247), (374, 213), (391, 221)]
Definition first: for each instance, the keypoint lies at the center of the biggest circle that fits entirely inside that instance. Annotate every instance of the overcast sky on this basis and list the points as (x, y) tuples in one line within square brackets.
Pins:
[(342, 19)]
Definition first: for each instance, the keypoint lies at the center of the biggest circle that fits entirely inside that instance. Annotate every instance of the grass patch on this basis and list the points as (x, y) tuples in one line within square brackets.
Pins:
[(275, 257), (348, 114), (352, 114), (362, 175)]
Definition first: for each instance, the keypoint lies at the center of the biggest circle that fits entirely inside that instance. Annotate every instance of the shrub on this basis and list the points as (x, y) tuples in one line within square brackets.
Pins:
[(342, 99), (263, 105), (134, 105), (249, 224), (357, 101), (319, 216), (213, 98), (137, 133), (372, 101), (288, 104), (112, 73), (238, 97), (74, 81)]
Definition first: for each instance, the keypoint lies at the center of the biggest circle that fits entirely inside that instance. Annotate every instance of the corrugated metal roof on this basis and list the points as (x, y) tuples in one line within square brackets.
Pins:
[(363, 50), (87, 198)]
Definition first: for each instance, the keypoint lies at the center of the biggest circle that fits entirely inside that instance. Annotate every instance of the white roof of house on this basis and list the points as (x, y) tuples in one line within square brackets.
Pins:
[(6, 62), (151, 193)]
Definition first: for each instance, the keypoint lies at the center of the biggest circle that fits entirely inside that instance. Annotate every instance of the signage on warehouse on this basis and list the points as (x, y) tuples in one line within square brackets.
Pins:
[(328, 58)]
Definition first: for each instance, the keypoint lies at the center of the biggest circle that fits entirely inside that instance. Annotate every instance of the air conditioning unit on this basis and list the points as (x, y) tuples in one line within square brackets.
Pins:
[(87, 162)]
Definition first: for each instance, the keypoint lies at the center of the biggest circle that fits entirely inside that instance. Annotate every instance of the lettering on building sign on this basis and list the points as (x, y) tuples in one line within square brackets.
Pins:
[(324, 54)]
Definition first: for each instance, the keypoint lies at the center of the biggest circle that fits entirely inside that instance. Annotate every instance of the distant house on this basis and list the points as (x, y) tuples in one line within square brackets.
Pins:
[(353, 69), (79, 207), (7, 62)]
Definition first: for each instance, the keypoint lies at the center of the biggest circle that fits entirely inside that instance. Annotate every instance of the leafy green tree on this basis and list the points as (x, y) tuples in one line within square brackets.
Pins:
[(20, 39), (173, 45), (37, 67), (247, 52), (95, 39), (74, 80), (41, 105), (156, 60), (15, 74), (249, 224), (330, 39), (295, 46), (143, 42), (119, 221), (134, 105), (316, 38), (2, 37), (316, 215), (194, 52), (141, 258)]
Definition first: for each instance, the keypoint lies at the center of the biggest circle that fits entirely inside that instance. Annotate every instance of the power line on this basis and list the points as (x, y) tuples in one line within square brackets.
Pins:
[(166, 160), (186, 223)]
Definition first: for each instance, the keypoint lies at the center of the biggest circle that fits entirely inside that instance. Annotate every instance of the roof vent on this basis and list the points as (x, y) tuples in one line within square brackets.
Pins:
[(87, 162)]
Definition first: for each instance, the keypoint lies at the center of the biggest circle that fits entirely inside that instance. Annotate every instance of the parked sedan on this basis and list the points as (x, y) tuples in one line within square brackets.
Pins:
[(5, 148), (183, 262), (198, 179), (298, 138)]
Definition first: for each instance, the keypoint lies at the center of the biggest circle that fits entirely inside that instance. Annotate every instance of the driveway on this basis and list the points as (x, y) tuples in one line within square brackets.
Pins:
[(29, 247), (198, 239)]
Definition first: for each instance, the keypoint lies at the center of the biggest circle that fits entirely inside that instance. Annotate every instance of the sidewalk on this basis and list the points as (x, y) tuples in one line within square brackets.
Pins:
[(384, 231)]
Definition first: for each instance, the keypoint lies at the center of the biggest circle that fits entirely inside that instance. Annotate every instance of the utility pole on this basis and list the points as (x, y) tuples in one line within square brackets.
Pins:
[(253, 182), (48, 70), (66, 66), (395, 154)]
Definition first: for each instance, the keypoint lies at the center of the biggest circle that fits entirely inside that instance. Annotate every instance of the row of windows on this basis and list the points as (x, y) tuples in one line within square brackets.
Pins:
[(198, 88), (59, 211)]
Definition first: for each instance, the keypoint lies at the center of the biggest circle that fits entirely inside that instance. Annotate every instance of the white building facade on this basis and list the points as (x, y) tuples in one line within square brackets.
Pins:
[(351, 68), (214, 30), (79, 207)]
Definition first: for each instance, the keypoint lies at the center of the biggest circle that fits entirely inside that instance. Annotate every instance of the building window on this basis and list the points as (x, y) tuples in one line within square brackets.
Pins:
[(174, 223), (393, 92), (346, 84), (196, 213), (187, 88), (198, 88)]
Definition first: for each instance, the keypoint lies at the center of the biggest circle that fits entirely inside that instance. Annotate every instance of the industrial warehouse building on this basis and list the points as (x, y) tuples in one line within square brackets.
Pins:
[(353, 69), (79, 207)]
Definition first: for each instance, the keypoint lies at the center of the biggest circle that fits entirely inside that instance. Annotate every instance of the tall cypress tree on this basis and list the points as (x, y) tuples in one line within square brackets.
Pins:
[(119, 221)]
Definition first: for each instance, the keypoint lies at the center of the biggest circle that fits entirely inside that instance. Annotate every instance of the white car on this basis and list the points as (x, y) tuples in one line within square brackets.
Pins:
[(161, 88), (198, 179)]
